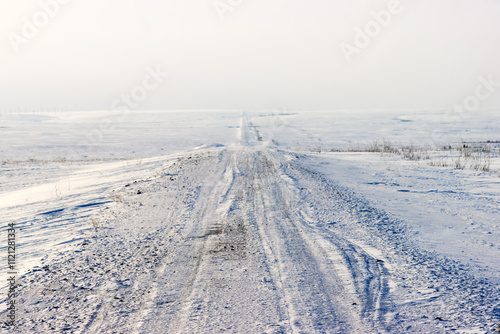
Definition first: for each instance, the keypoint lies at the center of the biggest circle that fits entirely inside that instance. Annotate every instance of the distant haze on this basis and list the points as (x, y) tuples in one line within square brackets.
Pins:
[(249, 54)]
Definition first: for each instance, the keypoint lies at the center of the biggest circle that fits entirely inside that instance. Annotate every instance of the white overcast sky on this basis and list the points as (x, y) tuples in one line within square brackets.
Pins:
[(266, 54)]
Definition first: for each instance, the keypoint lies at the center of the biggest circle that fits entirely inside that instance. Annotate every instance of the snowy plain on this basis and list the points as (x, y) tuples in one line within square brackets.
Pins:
[(272, 221)]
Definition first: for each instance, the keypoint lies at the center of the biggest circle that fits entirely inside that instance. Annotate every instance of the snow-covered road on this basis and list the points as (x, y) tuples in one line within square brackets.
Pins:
[(249, 239)]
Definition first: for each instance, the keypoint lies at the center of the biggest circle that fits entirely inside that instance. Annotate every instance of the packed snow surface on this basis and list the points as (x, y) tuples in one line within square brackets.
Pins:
[(194, 222)]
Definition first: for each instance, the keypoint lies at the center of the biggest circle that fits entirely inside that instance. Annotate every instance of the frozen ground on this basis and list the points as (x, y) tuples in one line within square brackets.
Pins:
[(247, 222)]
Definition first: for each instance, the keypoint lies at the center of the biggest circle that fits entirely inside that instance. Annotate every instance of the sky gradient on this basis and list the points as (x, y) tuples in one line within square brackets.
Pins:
[(254, 55)]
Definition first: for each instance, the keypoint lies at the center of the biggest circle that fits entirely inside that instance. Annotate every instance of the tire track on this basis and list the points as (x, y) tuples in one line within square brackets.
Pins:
[(365, 277), (313, 300), (216, 196)]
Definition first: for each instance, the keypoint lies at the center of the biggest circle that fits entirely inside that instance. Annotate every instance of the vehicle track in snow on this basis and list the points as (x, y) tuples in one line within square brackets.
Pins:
[(251, 220)]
